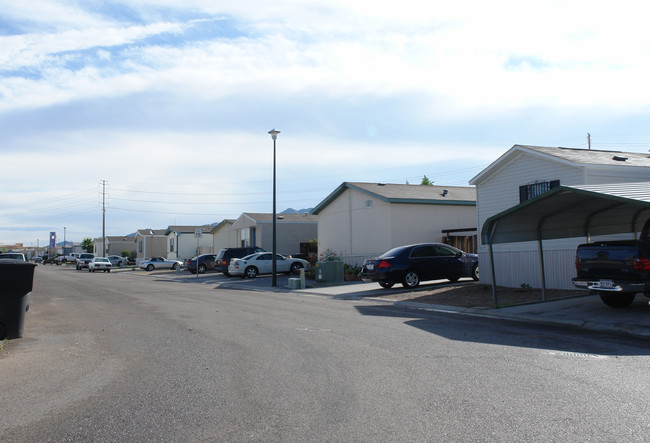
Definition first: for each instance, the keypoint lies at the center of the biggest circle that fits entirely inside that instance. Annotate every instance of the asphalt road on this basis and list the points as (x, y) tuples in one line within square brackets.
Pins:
[(132, 356)]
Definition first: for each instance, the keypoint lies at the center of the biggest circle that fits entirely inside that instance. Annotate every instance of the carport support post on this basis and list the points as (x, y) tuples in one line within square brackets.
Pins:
[(541, 265), (489, 239), (494, 282)]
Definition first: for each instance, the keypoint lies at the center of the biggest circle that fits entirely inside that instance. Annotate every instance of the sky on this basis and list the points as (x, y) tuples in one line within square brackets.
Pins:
[(159, 111)]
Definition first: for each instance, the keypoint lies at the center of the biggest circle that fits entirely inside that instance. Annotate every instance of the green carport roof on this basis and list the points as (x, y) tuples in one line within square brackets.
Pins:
[(572, 211)]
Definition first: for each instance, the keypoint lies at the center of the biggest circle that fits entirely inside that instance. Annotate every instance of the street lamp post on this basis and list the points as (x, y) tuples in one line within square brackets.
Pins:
[(274, 276), (64, 228)]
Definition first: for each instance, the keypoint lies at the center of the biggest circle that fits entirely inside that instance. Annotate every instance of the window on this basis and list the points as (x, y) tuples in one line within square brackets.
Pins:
[(368, 203), (423, 251), (171, 245), (245, 237), (446, 252), (530, 191), (140, 246)]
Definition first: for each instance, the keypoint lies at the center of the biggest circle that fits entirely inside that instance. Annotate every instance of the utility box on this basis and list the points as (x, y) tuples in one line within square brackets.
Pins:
[(16, 280), (329, 272)]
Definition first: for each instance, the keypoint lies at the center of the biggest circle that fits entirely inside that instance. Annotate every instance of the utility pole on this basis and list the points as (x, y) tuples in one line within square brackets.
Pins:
[(103, 218), (589, 140)]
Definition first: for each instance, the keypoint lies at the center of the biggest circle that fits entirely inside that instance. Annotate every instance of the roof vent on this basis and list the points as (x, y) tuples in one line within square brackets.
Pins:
[(445, 192), (618, 158)]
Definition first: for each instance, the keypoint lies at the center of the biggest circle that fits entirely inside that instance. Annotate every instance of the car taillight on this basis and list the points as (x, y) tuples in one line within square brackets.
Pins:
[(641, 264), (223, 263), (384, 264)]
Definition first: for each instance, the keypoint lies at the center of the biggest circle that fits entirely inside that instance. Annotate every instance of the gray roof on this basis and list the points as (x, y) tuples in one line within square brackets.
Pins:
[(571, 156), (413, 194), (264, 217), (188, 229), (593, 156), (147, 232), (120, 238)]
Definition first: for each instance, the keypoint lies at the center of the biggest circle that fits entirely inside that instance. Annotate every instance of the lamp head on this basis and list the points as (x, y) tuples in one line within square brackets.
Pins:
[(274, 133)]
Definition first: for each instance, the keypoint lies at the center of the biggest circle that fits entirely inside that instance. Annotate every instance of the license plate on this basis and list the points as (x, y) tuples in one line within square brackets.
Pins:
[(607, 284), (370, 267)]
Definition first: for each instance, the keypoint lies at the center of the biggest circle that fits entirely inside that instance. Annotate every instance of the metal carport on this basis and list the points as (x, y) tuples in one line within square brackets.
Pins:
[(569, 211)]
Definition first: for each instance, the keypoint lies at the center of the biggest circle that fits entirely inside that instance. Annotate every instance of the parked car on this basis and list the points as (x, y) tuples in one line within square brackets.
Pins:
[(100, 264), (12, 256), (262, 263), (117, 261), (48, 259), (225, 255), (411, 264), (160, 263), (72, 257), (206, 262), (83, 260), (616, 270)]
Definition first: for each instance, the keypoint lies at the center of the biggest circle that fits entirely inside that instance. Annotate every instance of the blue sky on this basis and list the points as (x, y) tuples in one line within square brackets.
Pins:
[(170, 102)]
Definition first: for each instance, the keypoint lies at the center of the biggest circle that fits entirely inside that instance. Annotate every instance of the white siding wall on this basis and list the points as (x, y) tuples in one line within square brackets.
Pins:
[(225, 237), (187, 245), (597, 176), (370, 222), (334, 225), (424, 223), (501, 190), (289, 235)]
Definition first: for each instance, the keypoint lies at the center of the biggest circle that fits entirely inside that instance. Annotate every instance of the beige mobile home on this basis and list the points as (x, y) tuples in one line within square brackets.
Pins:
[(363, 220)]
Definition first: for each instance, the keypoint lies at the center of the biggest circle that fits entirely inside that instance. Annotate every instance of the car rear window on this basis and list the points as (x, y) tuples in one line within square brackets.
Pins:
[(392, 252)]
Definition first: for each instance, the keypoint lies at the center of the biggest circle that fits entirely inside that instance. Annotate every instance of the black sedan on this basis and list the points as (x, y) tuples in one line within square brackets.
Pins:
[(412, 264), (206, 262)]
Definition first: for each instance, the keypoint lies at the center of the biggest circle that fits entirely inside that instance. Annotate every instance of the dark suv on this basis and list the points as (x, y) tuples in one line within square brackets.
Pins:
[(205, 262), (224, 256), (83, 260)]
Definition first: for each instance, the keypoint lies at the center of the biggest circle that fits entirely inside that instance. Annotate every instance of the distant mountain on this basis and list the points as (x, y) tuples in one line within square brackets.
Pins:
[(296, 211)]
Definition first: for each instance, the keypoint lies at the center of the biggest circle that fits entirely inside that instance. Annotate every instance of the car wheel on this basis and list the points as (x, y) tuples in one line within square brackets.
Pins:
[(78, 267), (411, 280), (108, 270), (295, 268), (475, 272), (618, 300), (227, 274), (65, 261), (202, 269), (386, 284), (89, 270), (150, 268), (251, 272), (174, 266)]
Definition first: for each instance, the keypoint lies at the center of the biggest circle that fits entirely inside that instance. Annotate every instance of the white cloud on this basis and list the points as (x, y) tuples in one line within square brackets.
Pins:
[(170, 93)]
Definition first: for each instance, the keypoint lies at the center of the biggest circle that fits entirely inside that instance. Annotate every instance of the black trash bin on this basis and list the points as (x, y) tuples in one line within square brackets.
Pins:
[(16, 279)]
